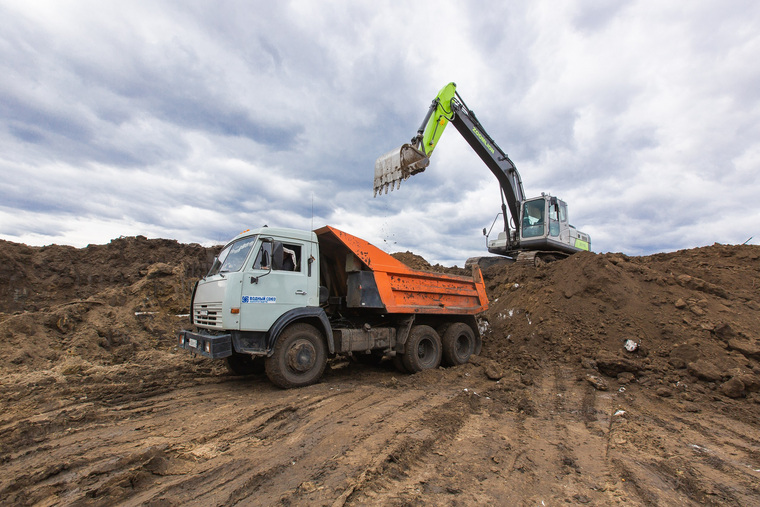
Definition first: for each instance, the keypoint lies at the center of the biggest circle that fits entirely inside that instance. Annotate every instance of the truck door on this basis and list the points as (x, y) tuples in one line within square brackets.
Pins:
[(275, 283)]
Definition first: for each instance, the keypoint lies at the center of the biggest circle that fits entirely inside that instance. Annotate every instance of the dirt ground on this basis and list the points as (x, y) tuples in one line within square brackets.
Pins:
[(98, 407)]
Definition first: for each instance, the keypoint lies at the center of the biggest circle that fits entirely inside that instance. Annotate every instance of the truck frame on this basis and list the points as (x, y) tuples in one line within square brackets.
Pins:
[(290, 299)]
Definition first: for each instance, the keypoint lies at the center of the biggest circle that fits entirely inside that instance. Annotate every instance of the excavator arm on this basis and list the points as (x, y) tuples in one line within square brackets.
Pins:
[(410, 159), (438, 116)]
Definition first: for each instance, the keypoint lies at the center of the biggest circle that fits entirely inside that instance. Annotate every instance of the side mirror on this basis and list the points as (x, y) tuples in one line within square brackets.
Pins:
[(485, 232), (265, 261)]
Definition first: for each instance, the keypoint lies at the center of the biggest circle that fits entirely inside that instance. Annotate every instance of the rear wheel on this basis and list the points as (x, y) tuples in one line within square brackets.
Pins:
[(399, 364), (423, 349), (458, 344), (245, 364), (299, 357)]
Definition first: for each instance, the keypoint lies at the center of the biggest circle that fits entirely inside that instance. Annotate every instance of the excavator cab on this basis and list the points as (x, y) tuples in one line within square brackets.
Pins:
[(545, 226)]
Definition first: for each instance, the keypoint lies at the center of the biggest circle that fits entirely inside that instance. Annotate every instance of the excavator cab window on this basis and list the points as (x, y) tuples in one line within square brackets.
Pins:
[(562, 212), (533, 218), (554, 219)]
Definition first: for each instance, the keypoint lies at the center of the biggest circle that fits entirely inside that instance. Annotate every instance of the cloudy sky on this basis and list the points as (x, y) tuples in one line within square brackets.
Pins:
[(196, 120)]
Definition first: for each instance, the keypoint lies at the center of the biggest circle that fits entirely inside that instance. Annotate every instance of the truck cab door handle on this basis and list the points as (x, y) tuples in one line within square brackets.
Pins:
[(301, 292)]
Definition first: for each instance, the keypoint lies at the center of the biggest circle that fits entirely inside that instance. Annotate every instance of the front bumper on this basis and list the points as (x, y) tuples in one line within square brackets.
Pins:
[(211, 346)]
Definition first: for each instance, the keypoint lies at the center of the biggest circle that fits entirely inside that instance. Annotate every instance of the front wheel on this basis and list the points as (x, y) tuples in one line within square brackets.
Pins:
[(423, 349), (299, 357)]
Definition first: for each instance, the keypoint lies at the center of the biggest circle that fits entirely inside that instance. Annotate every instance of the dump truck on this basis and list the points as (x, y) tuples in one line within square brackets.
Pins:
[(284, 300), (536, 230)]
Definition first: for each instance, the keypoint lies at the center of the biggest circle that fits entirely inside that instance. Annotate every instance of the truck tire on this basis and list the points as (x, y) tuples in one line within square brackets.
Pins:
[(299, 357), (399, 364), (245, 364), (458, 344), (423, 349)]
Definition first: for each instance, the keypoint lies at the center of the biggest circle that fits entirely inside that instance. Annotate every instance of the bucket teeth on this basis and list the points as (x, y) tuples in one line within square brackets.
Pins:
[(397, 165)]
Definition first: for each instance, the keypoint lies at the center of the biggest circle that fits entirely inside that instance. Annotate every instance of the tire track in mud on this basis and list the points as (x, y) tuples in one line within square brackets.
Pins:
[(512, 443), (218, 443), (74, 404), (345, 434), (439, 421), (562, 444), (363, 436), (720, 469), (305, 438)]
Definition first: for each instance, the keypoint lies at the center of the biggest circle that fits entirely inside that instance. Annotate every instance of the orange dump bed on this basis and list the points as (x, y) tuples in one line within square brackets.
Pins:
[(348, 262)]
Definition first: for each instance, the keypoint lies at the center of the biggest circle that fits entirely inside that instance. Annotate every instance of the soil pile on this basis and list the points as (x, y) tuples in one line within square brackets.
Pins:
[(100, 304), (668, 320), (415, 261)]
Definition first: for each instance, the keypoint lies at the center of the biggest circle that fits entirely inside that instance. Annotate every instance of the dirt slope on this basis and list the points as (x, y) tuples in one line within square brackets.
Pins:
[(97, 406)]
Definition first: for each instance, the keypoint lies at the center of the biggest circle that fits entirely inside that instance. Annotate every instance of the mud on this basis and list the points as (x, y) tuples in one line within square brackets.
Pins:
[(99, 408)]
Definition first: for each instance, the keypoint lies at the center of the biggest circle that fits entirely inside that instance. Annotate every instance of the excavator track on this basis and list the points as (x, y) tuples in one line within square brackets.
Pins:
[(538, 258)]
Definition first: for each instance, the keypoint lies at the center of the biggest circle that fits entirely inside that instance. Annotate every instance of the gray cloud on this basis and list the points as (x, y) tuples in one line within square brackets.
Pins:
[(193, 121)]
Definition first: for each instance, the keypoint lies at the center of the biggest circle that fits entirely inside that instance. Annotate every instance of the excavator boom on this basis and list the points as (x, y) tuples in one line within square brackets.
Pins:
[(538, 224), (401, 163)]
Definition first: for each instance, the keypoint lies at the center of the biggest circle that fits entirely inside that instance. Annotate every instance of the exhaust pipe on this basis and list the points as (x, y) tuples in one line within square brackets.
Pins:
[(398, 165)]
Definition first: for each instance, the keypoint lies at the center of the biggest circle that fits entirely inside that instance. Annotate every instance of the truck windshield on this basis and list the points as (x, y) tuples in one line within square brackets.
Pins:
[(233, 256)]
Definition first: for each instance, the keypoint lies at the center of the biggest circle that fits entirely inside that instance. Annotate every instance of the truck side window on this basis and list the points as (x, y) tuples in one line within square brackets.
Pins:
[(291, 257)]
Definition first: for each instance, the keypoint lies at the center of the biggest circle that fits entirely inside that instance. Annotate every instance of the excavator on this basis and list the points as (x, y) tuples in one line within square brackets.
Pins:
[(540, 230)]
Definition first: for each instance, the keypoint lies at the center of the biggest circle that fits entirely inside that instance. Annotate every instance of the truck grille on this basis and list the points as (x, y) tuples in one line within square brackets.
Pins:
[(208, 314)]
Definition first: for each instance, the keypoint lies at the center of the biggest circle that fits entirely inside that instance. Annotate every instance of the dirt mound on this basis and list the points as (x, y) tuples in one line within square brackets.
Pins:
[(100, 304), (415, 261), (37, 277), (688, 317), (671, 320)]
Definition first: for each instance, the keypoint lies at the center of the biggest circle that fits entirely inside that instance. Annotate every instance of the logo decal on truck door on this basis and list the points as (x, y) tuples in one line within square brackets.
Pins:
[(259, 299)]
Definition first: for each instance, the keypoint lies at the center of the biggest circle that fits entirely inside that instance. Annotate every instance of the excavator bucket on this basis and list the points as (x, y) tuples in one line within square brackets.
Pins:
[(398, 165)]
